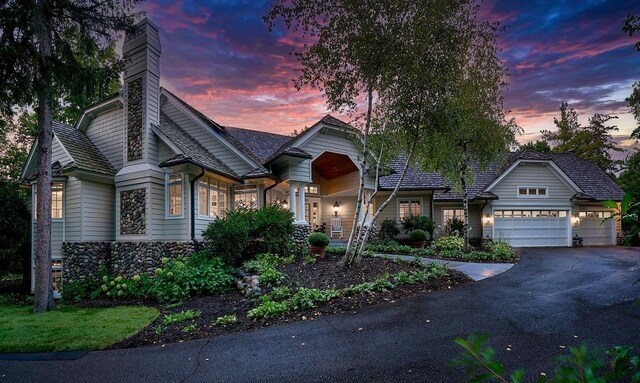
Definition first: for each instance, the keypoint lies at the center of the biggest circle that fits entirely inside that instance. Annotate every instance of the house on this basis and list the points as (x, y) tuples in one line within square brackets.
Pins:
[(141, 175)]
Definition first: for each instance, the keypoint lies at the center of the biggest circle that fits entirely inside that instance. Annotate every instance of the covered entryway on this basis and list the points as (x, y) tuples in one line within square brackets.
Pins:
[(595, 231), (532, 228)]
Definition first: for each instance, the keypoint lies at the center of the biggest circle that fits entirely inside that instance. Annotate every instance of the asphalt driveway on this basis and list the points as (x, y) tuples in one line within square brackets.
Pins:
[(553, 299)]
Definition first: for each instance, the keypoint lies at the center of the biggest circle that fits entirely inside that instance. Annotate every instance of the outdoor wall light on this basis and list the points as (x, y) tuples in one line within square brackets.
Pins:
[(488, 219), (285, 205), (336, 207), (575, 219)]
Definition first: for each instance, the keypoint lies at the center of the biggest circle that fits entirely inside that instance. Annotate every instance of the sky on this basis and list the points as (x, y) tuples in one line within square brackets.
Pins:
[(219, 56)]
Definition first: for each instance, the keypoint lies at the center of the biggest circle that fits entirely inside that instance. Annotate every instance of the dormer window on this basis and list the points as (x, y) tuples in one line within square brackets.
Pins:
[(532, 192)]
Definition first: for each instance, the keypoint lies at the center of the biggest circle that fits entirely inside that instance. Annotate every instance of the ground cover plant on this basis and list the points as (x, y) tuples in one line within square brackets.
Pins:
[(69, 328), (303, 291), (444, 247)]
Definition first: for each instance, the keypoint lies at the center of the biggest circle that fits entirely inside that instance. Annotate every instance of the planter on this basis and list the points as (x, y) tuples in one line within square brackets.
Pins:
[(317, 251), (418, 244)]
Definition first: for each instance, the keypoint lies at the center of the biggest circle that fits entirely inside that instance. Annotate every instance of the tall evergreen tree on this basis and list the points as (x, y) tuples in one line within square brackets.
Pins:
[(41, 61)]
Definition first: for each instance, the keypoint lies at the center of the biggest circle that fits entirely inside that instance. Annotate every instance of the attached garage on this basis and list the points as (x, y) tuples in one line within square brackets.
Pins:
[(532, 228), (595, 231)]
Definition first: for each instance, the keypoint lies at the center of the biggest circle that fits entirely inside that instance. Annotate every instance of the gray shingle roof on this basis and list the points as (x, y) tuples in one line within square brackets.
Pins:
[(191, 148), (261, 144), (415, 179), (84, 153), (590, 178)]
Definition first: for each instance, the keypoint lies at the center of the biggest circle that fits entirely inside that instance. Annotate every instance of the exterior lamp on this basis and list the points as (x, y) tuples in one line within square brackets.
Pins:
[(285, 205), (336, 207), (488, 219), (575, 219)]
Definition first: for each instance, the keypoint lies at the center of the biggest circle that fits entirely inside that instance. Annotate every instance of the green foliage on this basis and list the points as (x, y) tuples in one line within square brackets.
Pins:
[(182, 316), (318, 239), (336, 249), (500, 250), (226, 320), (402, 278), (538, 146), (418, 222), (454, 226), (438, 270), (267, 309), (629, 179), (454, 243), (308, 259), (418, 276), (423, 252), (389, 229), (305, 298), (281, 293), (270, 228), (390, 248), (176, 281), (265, 265), (15, 227), (629, 214), (271, 277), (581, 366), (418, 235)]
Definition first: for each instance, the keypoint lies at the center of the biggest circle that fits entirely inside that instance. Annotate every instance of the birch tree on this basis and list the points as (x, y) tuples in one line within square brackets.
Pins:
[(38, 63)]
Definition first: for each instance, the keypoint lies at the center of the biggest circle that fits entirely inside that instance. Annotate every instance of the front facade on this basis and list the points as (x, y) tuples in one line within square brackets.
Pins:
[(142, 174)]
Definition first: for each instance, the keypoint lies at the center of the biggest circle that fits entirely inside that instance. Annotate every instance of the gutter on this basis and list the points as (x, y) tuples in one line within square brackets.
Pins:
[(196, 244), (264, 192)]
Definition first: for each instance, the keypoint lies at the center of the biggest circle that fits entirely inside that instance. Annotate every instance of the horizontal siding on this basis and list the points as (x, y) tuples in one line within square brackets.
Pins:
[(559, 195), (57, 237), (59, 154), (99, 212), (300, 171), (206, 139), (106, 131), (157, 208), (73, 209), (164, 152)]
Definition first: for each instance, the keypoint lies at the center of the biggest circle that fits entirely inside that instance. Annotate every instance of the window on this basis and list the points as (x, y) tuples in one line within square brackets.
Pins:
[(56, 275), (594, 214), (56, 200), (174, 188), (310, 189), (448, 214), (532, 191), (212, 196), (409, 207), (246, 196)]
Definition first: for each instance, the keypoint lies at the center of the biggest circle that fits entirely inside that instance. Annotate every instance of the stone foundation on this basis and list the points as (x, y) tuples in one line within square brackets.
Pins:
[(301, 235), (120, 258), (132, 212)]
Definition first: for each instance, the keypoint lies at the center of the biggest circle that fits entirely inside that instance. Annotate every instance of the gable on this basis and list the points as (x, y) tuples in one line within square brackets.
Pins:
[(533, 174)]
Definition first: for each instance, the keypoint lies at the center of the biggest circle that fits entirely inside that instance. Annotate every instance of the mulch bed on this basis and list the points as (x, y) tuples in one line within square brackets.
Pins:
[(323, 274)]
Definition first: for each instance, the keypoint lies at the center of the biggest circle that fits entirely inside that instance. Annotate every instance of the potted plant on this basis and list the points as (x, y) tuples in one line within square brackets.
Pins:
[(418, 238), (317, 243)]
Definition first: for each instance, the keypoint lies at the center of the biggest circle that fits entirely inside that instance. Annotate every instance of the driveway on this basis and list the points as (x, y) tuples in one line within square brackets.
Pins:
[(552, 299)]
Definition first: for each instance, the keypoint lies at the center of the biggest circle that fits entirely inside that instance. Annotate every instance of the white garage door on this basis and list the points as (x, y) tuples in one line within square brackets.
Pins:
[(595, 232), (531, 228)]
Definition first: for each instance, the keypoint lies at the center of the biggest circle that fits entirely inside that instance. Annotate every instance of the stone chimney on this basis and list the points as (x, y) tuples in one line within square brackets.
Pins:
[(142, 90)]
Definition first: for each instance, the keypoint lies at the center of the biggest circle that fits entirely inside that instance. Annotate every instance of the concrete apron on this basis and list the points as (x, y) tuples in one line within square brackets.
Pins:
[(475, 271)]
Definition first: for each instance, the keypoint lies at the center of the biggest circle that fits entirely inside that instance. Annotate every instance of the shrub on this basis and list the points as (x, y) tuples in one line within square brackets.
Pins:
[(423, 252), (226, 320), (500, 250), (319, 240), (267, 309), (280, 293), (418, 235), (385, 243), (454, 227), (305, 299), (265, 265), (177, 318), (449, 243), (389, 229), (270, 229), (417, 222)]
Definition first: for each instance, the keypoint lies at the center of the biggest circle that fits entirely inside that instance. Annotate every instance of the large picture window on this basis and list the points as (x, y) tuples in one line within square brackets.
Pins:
[(246, 196), (212, 198), (57, 196), (409, 207), (174, 195)]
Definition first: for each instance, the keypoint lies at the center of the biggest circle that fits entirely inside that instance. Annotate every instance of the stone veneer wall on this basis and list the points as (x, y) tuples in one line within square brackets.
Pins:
[(120, 258), (84, 258), (132, 212), (134, 120), (301, 234)]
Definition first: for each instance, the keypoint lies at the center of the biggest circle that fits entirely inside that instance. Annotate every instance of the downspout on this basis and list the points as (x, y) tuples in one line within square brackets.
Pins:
[(431, 208), (264, 192), (196, 244)]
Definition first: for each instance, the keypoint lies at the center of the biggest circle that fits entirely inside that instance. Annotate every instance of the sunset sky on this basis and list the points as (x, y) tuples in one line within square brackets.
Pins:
[(219, 56)]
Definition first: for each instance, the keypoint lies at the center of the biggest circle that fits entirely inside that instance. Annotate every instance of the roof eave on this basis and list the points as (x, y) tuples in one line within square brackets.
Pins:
[(191, 161)]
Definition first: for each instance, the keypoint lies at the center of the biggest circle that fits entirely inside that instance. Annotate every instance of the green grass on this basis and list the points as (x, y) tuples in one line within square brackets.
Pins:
[(69, 328)]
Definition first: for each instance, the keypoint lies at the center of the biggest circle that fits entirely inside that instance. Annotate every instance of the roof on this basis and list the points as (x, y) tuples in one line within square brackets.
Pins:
[(414, 179), (84, 153), (261, 144), (191, 149), (589, 177)]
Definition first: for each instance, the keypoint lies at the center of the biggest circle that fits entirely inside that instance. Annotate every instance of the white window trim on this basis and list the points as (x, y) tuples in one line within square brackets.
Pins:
[(408, 199), (34, 185), (217, 185), (167, 215), (444, 220), (532, 187)]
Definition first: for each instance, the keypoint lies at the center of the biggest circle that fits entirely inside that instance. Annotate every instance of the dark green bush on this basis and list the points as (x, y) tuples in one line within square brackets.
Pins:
[(449, 243), (389, 229), (454, 226), (418, 235), (319, 240), (270, 229), (418, 222)]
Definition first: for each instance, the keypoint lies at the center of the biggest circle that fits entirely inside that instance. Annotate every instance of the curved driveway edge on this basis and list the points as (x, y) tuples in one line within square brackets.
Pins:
[(552, 299)]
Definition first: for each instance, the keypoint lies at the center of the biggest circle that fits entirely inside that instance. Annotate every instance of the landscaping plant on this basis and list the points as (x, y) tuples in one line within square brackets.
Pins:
[(419, 222), (454, 227), (389, 229)]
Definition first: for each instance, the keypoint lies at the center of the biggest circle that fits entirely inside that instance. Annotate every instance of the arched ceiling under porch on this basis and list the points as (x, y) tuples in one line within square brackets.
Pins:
[(333, 165)]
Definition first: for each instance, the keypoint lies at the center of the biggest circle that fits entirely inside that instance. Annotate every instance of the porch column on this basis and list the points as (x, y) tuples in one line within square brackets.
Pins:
[(302, 203), (292, 199)]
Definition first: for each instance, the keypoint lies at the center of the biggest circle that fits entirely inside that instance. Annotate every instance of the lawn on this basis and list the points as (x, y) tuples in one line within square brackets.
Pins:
[(69, 328)]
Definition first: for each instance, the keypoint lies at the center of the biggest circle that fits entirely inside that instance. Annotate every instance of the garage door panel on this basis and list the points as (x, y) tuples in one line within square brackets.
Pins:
[(533, 228), (594, 231)]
